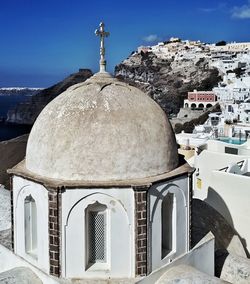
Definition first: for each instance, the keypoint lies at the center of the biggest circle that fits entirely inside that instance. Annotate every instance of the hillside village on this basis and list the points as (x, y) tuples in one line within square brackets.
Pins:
[(225, 57), (232, 60), (169, 70)]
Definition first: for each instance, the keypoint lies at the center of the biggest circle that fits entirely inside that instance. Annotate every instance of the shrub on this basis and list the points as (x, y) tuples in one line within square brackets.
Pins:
[(221, 43), (228, 121)]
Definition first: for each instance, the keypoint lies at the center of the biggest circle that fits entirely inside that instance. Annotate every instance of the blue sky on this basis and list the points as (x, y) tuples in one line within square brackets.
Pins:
[(42, 41)]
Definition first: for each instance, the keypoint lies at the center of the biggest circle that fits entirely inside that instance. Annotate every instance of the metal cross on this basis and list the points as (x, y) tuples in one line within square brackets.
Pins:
[(102, 34)]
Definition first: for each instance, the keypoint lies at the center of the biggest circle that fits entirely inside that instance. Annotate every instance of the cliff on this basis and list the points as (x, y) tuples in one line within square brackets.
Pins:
[(12, 152), (167, 80), (194, 117), (26, 113)]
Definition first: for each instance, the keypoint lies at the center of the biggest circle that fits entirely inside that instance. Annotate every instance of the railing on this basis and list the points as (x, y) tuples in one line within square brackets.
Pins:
[(240, 164)]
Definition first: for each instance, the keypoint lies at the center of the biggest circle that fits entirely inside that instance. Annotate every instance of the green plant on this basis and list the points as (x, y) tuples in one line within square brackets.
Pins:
[(221, 43), (228, 121)]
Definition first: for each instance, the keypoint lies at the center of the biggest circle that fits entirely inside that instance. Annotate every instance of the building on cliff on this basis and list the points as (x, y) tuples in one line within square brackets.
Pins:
[(200, 99)]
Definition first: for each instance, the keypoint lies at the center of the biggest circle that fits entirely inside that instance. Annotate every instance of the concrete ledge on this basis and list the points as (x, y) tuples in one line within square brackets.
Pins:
[(8, 261), (21, 170), (201, 257)]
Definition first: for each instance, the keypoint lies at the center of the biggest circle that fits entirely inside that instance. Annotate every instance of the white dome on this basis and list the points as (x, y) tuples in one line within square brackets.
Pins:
[(101, 130)]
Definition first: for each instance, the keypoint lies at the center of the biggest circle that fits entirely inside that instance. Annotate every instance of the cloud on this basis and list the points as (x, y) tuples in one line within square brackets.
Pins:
[(241, 12), (207, 10), (221, 6), (151, 38)]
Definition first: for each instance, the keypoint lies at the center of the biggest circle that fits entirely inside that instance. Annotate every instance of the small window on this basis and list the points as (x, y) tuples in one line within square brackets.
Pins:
[(30, 225), (168, 219), (96, 234), (230, 150)]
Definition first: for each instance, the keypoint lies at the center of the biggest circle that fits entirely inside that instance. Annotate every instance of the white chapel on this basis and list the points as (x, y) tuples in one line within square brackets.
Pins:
[(102, 192)]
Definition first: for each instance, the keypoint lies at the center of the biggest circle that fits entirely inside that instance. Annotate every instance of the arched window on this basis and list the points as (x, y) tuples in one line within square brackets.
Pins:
[(30, 225), (201, 106), (193, 106), (168, 219), (96, 234)]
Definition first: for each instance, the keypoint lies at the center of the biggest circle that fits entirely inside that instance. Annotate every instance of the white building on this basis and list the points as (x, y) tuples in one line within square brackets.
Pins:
[(200, 100), (101, 193), (233, 89), (233, 95), (232, 47), (222, 180)]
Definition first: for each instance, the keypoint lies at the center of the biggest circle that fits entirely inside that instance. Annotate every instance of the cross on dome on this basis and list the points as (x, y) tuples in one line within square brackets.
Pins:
[(102, 34)]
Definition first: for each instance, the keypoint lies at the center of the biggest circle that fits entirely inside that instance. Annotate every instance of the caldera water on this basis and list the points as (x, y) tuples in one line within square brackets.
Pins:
[(9, 131)]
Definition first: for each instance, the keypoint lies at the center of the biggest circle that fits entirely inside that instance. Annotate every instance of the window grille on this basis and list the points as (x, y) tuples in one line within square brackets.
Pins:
[(97, 236)]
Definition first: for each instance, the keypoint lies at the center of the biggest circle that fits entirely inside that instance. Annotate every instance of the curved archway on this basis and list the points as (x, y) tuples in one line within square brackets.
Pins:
[(31, 240), (170, 239), (93, 198), (208, 105), (201, 106), (80, 231), (20, 192), (170, 188), (193, 106)]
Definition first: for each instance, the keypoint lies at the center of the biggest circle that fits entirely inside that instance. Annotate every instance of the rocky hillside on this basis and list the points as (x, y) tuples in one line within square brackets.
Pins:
[(167, 81), (195, 117), (11, 153), (26, 113)]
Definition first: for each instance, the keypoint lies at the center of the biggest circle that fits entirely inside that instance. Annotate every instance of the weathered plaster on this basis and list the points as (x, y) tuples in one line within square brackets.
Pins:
[(120, 225), (180, 188), (101, 130), (21, 189)]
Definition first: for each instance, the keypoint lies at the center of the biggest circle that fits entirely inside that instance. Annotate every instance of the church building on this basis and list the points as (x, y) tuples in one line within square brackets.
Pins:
[(102, 192)]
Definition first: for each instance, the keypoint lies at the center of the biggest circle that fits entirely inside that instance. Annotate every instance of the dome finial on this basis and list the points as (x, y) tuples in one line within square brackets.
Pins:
[(102, 34)]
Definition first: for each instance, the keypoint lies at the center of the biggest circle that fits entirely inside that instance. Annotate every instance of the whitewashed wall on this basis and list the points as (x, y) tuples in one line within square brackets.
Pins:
[(21, 189), (121, 255), (229, 195), (219, 146), (180, 188), (205, 163), (9, 260), (200, 257)]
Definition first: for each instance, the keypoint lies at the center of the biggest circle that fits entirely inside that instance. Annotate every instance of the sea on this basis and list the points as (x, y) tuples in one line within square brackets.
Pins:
[(9, 131)]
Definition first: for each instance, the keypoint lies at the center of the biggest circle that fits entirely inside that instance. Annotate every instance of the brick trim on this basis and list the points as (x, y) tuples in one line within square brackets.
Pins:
[(190, 181), (54, 205), (12, 212), (141, 232)]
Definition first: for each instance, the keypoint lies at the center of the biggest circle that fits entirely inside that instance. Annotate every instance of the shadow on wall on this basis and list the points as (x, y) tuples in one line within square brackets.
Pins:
[(204, 219), (216, 201)]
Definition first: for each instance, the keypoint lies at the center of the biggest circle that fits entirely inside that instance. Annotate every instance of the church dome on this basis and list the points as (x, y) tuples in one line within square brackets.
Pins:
[(101, 130)]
